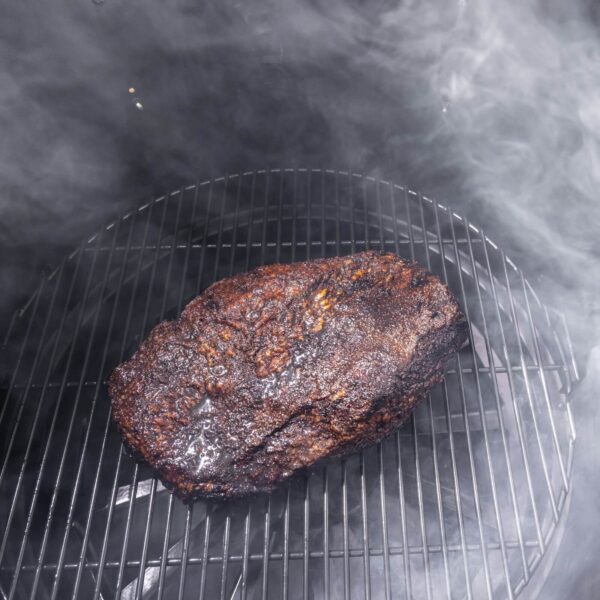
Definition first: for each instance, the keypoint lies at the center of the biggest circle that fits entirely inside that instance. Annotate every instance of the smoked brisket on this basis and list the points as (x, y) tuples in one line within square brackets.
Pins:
[(268, 372)]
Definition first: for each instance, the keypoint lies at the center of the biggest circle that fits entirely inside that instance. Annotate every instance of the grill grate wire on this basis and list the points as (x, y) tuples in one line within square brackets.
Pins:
[(461, 502)]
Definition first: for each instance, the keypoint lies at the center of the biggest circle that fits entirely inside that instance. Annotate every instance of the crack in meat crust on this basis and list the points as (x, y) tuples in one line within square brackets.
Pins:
[(266, 373)]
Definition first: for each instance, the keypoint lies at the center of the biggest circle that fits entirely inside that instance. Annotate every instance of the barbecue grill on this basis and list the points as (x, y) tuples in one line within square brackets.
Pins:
[(466, 500)]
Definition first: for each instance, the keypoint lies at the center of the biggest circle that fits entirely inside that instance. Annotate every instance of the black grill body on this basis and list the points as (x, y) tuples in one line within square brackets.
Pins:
[(466, 500)]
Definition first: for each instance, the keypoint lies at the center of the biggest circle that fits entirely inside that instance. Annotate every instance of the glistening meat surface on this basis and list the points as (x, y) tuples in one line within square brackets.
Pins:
[(268, 372)]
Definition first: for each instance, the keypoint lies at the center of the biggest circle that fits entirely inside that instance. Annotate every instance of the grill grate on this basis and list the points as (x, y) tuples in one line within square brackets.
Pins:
[(462, 502)]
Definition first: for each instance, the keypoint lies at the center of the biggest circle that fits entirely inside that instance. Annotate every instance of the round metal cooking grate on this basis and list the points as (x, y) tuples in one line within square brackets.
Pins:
[(461, 502)]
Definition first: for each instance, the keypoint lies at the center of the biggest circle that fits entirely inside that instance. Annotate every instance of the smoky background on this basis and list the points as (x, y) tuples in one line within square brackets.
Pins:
[(491, 108)]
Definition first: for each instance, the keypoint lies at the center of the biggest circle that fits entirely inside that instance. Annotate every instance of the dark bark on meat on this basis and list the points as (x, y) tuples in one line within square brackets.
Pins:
[(268, 372)]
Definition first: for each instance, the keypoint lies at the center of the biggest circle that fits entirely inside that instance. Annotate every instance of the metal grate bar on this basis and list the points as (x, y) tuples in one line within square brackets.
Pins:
[(29, 383), (169, 516), (499, 413), (26, 454), (143, 332), (305, 539), (286, 544), (15, 429), (488, 580), (165, 548), (536, 346), (225, 554), (27, 529), (189, 513), (283, 244), (141, 576), (401, 495), (386, 554), (235, 226), (365, 215), (451, 434), (338, 220), (325, 533), (307, 243), (380, 214), (244, 578), (250, 223), (435, 450), (516, 410), (564, 359), (278, 242), (346, 552), (208, 218), (9, 331), (326, 591), (267, 518), (374, 551), (416, 449), (117, 469), (365, 530), (207, 522), (139, 582), (570, 347), (362, 480), (87, 529), (184, 551), (304, 481), (226, 532), (265, 562), (247, 519), (219, 244), (530, 400), (62, 463), (294, 241), (346, 573), (25, 344), (363, 488), (382, 493), (186, 261)]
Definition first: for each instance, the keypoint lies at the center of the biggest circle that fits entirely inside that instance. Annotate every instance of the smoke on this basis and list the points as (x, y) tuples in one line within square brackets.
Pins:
[(491, 107)]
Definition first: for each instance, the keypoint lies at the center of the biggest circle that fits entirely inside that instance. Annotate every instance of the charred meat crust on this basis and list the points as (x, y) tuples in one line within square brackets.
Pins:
[(268, 372)]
